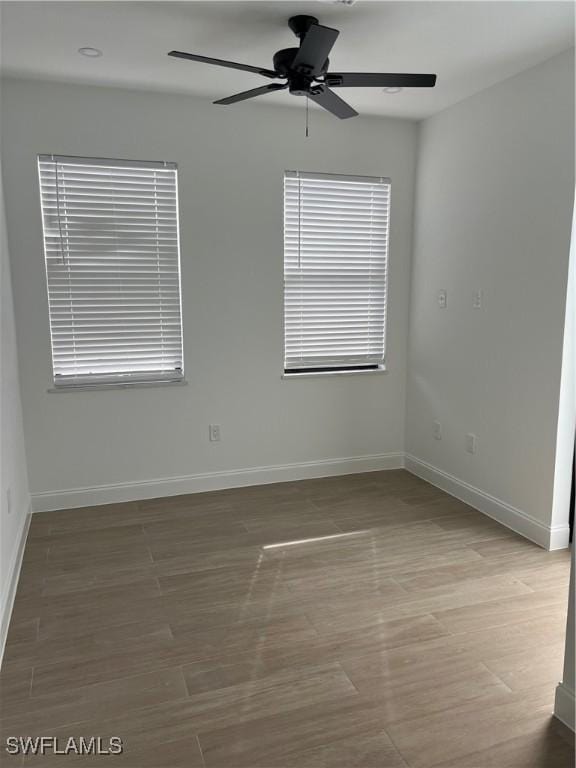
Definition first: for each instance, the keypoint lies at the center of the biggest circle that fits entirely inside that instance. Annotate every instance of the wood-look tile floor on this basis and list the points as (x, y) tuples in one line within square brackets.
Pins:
[(368, 620)]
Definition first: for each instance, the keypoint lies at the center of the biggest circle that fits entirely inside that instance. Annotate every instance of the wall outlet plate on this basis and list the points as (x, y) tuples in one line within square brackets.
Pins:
[(442, 298), (214, 433), (471, 443), (437, 430)]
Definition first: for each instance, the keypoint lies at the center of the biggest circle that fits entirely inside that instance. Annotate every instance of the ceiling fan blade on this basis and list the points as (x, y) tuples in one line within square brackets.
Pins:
[(332, 102), (270, 88), (378, 80), (314, 49), (223, 63)]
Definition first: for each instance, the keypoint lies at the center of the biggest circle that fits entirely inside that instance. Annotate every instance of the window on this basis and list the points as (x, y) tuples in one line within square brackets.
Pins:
[(335, 263), (113, 270)]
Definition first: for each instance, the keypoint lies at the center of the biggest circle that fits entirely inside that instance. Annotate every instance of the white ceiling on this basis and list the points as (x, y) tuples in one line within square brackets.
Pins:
[(469, 45)]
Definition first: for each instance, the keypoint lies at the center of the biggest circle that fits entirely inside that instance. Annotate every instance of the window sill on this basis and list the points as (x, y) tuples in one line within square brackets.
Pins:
[(115, 385), (314, 374)]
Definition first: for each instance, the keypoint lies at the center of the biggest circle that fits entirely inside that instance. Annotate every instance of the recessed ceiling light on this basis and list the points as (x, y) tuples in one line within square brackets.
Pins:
[(92, 53), (394, 89)]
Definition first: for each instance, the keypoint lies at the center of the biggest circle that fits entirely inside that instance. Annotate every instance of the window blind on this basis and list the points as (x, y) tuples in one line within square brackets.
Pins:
[(335, 266), (111, 245)]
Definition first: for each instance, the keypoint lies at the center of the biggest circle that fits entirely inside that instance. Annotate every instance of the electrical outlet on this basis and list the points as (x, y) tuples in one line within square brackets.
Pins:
[(437, 430), (477, 299), (8, 501), (442, 298), (471, 443), (214, 433)]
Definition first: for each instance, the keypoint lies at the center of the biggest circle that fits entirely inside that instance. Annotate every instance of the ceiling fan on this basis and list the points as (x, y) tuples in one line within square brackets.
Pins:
[(305, 70)]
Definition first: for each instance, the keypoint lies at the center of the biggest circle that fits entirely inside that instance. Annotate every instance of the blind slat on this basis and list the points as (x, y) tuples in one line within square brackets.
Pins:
[(335, 270), (111, 246)]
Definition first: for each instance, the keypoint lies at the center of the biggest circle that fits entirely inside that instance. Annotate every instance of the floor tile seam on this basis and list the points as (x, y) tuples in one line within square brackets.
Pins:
[(120, 679), (496, 675)]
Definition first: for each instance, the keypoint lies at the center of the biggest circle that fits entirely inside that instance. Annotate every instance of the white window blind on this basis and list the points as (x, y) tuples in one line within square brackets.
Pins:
[(335, 266), (112, 253)]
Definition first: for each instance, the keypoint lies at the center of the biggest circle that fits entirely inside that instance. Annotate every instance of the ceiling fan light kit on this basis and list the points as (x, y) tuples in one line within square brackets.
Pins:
[(304, 71)]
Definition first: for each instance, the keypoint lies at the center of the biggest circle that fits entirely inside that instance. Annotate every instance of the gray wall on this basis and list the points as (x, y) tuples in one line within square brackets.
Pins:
[(14, 496), (231, 165), (494, 207)]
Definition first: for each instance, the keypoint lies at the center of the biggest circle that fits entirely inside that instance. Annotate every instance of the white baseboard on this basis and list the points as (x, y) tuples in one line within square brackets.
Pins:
[(9, 592), (565, 706), (212, 481), (520, 522), (559, 537)]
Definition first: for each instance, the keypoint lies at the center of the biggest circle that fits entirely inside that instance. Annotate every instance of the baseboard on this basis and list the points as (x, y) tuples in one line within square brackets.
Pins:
[(212, 481), (513, 518), (565, 706), (9, 592)]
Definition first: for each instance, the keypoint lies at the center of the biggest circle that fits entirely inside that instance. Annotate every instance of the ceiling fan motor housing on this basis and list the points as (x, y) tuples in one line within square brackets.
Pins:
[(300, 81)]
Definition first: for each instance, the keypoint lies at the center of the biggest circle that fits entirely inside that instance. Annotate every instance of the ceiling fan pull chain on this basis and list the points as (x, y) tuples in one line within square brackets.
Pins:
[(307, 100)]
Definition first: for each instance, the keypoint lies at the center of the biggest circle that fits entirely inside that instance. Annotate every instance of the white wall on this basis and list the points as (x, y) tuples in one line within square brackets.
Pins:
[(563, 469), (14, 496), (231, 164), (494, 205)]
